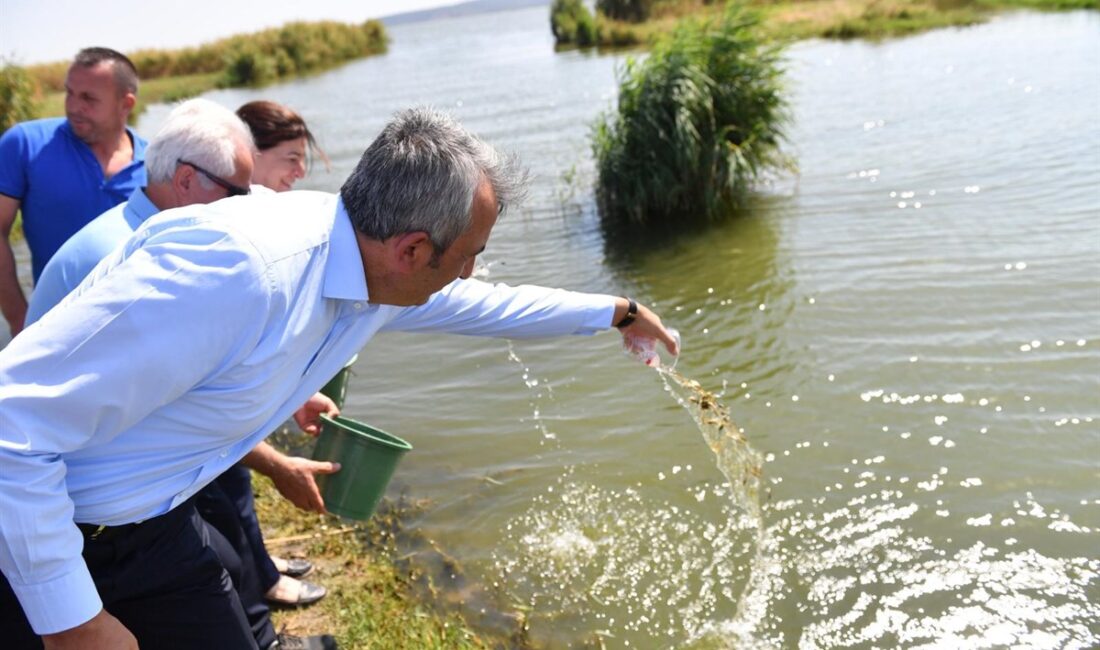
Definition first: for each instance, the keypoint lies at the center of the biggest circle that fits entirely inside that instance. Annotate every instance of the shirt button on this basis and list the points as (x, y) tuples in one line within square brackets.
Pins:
[(224, 454), (358, 305)]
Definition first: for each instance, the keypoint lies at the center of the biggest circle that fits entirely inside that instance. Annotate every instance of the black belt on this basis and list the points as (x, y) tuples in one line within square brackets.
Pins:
[(103, 533)]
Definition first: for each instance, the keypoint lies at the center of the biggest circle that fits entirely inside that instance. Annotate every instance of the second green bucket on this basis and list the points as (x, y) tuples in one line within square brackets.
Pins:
[(367, 457)]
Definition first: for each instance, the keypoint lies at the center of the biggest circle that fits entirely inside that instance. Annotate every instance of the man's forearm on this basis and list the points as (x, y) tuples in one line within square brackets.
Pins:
[(265, 460), (13, 303)]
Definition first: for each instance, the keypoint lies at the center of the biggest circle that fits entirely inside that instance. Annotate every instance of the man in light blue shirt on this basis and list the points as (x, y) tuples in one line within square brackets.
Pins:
[(213, 324)]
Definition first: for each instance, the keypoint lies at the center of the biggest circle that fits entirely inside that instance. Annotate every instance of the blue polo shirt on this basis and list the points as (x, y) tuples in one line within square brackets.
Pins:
[(79, 255), (59, 183)]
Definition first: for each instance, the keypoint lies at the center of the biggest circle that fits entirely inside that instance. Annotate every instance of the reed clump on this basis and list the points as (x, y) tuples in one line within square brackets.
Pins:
[(697, 122), (571, 22)]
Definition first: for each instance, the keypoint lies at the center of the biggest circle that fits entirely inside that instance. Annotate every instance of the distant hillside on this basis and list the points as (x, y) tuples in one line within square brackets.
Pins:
[(461, 9)]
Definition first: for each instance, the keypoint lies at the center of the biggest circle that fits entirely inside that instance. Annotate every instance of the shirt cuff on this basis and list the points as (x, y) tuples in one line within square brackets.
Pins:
[(60, 604), (598, 316)]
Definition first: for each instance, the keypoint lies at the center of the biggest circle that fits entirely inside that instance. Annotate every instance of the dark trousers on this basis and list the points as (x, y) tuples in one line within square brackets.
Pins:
[(230, 542), (236, 483), (162, 580)]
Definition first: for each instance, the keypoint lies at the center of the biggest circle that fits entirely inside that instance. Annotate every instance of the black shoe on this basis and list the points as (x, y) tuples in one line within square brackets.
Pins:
[(291, 642)]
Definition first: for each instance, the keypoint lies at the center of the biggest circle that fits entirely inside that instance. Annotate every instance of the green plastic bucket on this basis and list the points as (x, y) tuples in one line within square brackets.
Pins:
[(367, 458), (337, 388)]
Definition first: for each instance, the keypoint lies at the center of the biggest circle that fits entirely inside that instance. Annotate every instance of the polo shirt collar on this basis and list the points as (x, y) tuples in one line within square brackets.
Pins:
[(344, 275)]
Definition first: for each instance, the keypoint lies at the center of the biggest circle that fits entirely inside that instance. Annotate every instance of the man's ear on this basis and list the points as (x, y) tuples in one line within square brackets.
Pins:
[(412, 250), (182, 180), (129, 100)]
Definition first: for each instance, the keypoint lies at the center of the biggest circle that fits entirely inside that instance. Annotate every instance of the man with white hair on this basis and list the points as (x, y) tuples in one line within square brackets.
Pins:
[(202, 153)]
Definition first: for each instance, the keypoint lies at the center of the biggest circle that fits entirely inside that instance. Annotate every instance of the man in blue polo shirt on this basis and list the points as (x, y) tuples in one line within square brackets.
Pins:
[(63, 172)]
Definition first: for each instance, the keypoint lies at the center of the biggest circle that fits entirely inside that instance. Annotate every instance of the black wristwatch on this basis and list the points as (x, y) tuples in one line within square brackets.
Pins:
[(631, 312)]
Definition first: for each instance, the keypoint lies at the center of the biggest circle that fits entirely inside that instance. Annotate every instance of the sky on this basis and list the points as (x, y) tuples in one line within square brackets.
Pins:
[(37, 31)]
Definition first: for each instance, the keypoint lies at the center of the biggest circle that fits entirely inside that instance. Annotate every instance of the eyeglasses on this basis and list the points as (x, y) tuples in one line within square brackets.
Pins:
[(230, 188)]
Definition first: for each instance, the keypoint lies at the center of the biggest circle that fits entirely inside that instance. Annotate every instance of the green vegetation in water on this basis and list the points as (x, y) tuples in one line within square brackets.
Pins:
[(255, 59), (571, 22), (640, 22), (697, 122)]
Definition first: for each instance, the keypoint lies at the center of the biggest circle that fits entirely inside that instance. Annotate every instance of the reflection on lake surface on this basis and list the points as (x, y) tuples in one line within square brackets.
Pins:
[(908, 333)]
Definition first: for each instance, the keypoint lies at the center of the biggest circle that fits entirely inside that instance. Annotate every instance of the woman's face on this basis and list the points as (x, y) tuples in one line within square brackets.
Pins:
[(279, 167)]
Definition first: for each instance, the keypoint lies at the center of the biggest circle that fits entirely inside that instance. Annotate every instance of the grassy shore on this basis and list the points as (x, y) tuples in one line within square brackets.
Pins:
[(255, 59), (793, 20), (371, 603)]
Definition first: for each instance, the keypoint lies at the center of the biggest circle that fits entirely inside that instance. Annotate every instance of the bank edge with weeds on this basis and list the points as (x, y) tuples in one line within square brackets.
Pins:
[(255, 59), (644, 21), (371, 604)]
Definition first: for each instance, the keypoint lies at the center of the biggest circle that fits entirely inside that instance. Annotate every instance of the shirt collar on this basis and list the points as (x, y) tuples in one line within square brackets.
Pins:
[(344, 275), (139, 208)]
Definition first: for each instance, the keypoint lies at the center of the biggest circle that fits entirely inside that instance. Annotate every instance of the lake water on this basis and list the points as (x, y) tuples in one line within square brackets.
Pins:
[(907, 331)]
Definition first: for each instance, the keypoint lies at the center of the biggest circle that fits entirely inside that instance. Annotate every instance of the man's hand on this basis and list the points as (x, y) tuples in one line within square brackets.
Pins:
[(309, 416), (294, 479), (646, 325), (293, 476), (102, 632)]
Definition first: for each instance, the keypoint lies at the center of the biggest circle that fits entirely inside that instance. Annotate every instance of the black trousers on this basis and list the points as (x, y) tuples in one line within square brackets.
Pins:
[(230, 541), (236, 483), (162, 580)]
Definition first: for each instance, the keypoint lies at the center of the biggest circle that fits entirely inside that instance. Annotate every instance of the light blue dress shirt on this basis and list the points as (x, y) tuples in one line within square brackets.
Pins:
[(78, 256), (183, 350)]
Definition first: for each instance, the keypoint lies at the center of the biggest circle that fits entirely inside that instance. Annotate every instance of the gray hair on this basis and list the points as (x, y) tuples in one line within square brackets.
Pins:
[(126, 76), (421, 173), (200, 132)]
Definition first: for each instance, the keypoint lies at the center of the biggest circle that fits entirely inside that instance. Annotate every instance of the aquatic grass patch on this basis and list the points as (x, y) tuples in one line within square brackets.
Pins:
[(697, 123)]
